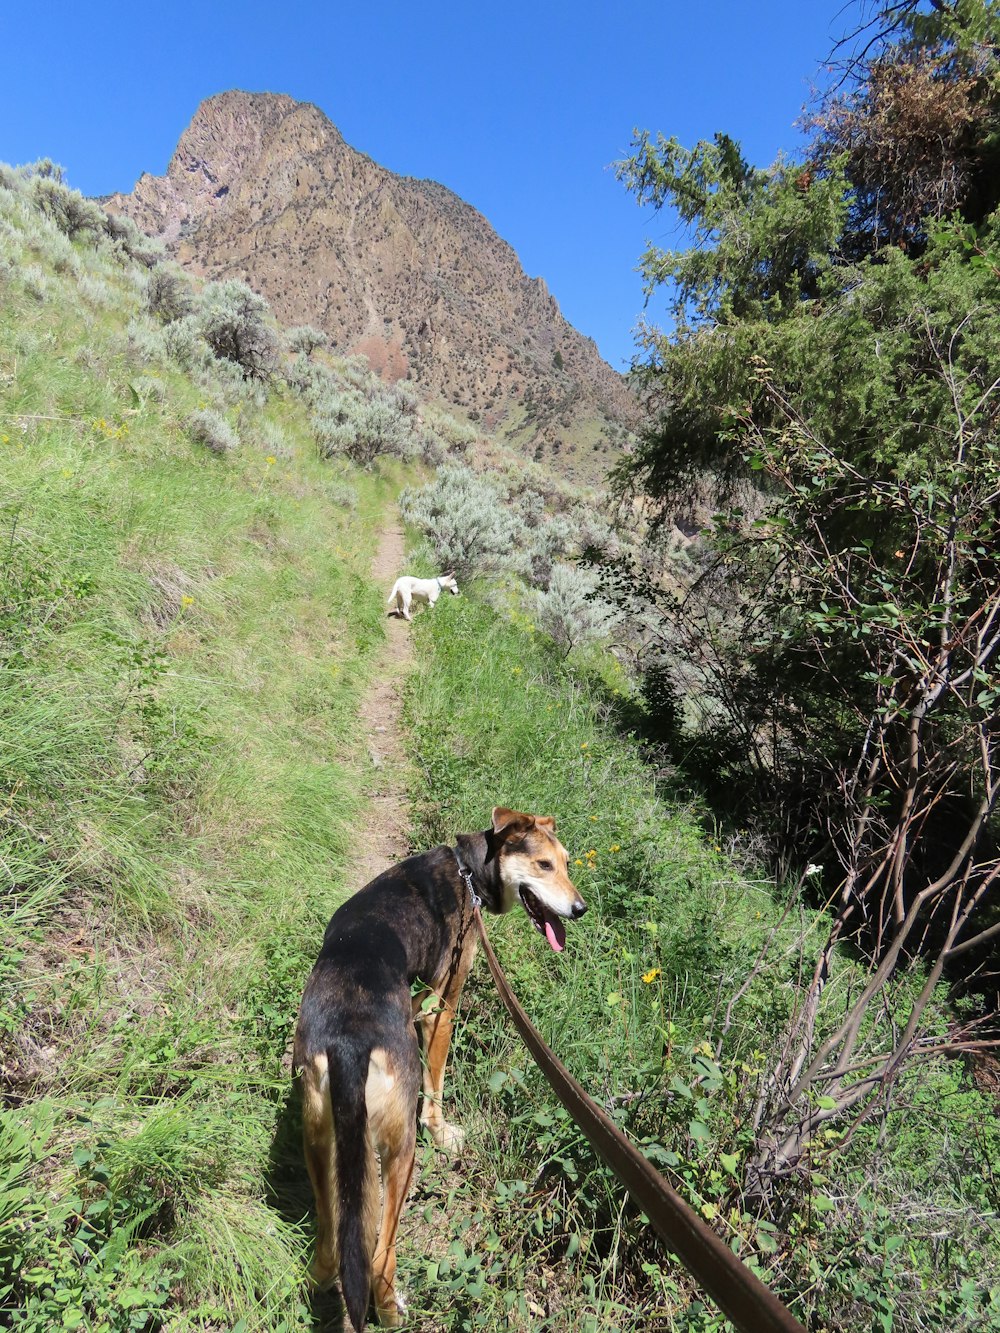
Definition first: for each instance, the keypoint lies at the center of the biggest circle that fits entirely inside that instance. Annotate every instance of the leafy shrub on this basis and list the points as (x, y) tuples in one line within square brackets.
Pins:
[(362, 429), (145, 343), (95, 291), (357, 372), (68, 209), (455, 436), (570, 611), (305, 339), (36, 284), (184, 343), (232, 321), (128, 242), (465, 519), (168, 294), (147, 388), (214, 432), (549, 541), (271, 439), (432, 451)]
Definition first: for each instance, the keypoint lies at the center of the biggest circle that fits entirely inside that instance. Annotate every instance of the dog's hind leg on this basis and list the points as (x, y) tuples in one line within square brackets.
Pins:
[(391, 1096), (320, 1149)]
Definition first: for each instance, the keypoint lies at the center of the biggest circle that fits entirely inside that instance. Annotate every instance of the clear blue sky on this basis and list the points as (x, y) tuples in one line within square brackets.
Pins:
[(518, 107)]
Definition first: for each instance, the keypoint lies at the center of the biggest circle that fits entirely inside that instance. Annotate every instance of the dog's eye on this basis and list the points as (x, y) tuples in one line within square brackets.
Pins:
[(544, 865)]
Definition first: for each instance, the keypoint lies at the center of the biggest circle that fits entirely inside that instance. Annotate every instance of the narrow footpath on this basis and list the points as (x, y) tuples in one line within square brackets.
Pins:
[(382, 840)]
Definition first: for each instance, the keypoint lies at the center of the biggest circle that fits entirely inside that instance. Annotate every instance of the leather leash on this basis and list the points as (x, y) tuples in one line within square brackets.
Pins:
[(739, 1294)]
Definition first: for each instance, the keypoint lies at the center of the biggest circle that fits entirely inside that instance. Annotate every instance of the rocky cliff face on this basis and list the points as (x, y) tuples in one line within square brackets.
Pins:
[(264, 188)]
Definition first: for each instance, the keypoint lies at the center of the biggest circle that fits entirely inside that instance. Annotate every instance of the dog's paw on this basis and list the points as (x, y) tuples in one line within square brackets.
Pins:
[(449, 1138), (394, 1314)]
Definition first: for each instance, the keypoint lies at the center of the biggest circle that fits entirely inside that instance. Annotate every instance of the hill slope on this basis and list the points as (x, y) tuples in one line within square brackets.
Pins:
[(264, 188)]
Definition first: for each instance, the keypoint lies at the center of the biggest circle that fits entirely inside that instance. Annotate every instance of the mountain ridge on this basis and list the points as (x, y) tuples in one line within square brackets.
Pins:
[(398, 268)]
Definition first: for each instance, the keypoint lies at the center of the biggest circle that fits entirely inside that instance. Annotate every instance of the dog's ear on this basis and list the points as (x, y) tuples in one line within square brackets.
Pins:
[(546, 822), (505, 822)]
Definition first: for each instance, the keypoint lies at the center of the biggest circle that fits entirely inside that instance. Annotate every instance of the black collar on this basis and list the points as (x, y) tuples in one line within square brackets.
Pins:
[(477, 865)]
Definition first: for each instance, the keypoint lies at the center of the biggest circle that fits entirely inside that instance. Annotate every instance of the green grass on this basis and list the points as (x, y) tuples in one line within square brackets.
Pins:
[(529, 1232), (184, 639)]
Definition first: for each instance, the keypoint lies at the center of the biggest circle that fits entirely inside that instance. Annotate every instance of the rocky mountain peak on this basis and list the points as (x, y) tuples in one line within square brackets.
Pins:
[(264, 188)]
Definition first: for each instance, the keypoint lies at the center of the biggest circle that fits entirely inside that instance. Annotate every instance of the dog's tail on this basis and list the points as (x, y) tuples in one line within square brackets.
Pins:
[(356, 1177), (392, 596)]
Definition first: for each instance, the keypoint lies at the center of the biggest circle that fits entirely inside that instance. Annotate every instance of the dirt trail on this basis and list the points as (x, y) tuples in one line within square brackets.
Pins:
[(383, 840)]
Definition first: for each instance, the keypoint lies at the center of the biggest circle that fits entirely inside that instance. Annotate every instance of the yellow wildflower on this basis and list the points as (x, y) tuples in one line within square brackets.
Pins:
[(187, 601), (650, 976), (270, 460)]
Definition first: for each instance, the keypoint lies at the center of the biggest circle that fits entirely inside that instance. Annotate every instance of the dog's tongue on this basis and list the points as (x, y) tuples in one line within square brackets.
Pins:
[(555, 932)]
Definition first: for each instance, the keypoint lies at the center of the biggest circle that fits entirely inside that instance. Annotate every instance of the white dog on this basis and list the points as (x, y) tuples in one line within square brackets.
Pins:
[(407, 590)]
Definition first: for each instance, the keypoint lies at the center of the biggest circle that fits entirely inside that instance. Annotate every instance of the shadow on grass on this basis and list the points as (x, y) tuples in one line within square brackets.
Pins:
[(290, 1194)]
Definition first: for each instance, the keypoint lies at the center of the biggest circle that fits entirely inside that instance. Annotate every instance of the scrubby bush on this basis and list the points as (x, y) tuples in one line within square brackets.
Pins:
[(36, 284), (145, 343), (168, 294), (95, 291), (403, 399), (312, 380), (549, 541), (465, 518), (362, 429), (214, 432), (305, 339), (225, 383), (233, 322), (147, 388), (184, 343), (593, 531), (570, 612), (455, 436), (271, 439), (342, 495), (129, 242), (357, 372), (68, 209)]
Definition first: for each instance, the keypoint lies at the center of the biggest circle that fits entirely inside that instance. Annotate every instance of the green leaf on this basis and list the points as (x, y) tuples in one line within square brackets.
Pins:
[(699, 1131)]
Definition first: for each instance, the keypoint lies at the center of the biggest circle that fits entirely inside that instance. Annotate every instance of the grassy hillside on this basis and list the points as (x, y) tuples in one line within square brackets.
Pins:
[(661, 1006), (187, 625), (183, 639)]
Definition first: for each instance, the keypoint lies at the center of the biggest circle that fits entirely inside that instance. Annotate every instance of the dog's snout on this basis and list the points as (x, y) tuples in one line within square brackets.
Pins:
[(579, 907)]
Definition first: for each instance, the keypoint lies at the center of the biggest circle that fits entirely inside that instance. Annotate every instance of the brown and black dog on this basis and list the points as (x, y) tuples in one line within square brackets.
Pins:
[(411, 930)]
